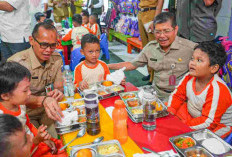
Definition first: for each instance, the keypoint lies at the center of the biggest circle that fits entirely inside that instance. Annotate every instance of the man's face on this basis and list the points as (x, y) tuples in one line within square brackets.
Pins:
[(165, 34), (44, 37), (21, 143)]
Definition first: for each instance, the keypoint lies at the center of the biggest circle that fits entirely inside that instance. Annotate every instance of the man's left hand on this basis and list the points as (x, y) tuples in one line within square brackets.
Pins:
[(52, 109), (56, 94), (91, 6)]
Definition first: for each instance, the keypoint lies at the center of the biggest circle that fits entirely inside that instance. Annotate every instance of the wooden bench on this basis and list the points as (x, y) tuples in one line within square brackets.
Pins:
[(133, 43), (118, 35)]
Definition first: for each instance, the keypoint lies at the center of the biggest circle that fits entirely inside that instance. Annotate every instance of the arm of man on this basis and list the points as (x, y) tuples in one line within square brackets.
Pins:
[(208, 2), (98, 5), (50, 105), (159, 7), (116, 66), (5, 6)]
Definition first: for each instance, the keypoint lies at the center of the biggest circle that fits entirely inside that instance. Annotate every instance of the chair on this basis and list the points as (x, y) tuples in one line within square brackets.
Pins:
[(104, 46), (228, 139), (75, 58)]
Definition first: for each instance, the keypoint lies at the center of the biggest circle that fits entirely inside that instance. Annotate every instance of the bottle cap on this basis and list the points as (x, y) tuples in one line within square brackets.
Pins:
[(66, 67), (119, 103)]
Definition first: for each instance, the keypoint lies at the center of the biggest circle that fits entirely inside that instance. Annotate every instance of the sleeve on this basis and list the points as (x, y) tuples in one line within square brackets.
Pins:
[(58, 82), (178, 96), (98, 5), (106, 69), (78, 75), (32, 128), (68, 36), (16, 3), (141, 59), (208, 112), (94, 29)]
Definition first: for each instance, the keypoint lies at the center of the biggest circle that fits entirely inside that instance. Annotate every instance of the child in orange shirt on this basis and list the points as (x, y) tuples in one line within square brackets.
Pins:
[(85, 18), (77, 32), (91, 70), (94, 26), (202, 99), (14, 93)]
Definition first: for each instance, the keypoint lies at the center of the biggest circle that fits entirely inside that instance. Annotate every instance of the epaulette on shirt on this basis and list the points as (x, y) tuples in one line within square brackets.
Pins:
[(186, 43)]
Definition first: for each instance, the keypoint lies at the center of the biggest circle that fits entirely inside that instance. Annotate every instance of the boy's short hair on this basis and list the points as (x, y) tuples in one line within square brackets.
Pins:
[(89, 38), (11, 73), (38, 15), (9, 125), (215, 51), (85, 13), (49, 21), (77, 18), (94, 15)]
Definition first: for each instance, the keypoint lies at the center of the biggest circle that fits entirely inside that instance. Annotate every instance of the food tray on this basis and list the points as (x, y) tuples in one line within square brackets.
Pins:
[(204, 146), (98, 148), (76, 104), (108, 91), (137, 116)]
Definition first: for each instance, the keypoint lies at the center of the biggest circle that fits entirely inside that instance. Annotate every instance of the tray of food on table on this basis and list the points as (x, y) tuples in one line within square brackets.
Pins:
[(75, 116), (134, 106), (203, 143), (104, 89), (110, 148)]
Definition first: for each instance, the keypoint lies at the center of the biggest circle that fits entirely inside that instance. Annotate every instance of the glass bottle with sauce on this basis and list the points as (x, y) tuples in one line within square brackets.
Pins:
[(119, 116)]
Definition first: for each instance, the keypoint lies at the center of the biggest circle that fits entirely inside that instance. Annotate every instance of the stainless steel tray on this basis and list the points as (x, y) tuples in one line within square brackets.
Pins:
[(95, 149), (77, 125), (137, 118), (110, 91), (199, 137)]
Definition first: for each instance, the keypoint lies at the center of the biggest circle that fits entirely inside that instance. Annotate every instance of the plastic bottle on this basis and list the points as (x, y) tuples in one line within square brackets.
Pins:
[(120, 121), (68, 82)]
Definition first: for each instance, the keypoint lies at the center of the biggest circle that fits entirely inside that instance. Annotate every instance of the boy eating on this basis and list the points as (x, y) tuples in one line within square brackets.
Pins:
[(14, 93), (90, 70), (202, 99)]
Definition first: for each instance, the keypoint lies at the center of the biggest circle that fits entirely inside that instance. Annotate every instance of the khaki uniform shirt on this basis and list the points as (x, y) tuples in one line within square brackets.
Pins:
[(59, 10), (196, 21), (162, 62), (40, 75), (147, 16)]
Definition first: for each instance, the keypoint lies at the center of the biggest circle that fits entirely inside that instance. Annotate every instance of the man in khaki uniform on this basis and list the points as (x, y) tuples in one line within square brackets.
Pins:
[(45, 67), (60, 9), (168, 56), (148, 10)]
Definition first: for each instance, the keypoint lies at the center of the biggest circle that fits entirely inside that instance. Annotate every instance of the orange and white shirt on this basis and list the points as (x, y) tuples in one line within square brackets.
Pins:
[(23, 118), (90, 74), (210, 108), (76, 35), (95, 30)]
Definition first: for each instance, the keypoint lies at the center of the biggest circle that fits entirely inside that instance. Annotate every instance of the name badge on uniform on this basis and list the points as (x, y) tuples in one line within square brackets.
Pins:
[(49, 88), (172, 78)]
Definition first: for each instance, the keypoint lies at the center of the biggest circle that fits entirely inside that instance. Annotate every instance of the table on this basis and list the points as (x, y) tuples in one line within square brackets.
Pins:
[(157, 140)]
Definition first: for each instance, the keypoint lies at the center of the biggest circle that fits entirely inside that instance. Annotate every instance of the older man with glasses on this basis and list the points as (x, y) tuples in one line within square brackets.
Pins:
[(168, 55), (46, 81)]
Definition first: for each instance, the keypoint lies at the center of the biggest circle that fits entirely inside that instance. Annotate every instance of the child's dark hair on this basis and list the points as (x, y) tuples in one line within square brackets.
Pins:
[(89, 38), (38, 15), (215, 51), (85, 13), (49, 21), (95, 16), (77, 18), (11, 73)]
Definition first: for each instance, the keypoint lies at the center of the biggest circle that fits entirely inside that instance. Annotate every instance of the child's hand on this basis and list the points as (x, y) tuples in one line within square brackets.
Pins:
[(83, 85), (41, 135), (123, 82), (52, 145)]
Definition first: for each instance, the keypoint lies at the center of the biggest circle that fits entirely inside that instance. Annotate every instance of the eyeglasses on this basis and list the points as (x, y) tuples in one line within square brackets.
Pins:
[(165, 32), (44, 45)]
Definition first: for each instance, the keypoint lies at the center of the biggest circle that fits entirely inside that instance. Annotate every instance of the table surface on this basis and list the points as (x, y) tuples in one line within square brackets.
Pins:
[(157, 140)]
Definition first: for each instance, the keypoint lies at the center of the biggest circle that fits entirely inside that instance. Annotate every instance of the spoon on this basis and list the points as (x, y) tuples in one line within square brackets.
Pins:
[(79, 134), (97, 140)]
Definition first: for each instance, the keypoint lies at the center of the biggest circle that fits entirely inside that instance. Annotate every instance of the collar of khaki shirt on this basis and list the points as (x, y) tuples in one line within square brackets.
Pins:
[(35, 62), (174, 46)]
